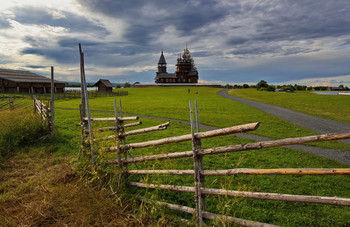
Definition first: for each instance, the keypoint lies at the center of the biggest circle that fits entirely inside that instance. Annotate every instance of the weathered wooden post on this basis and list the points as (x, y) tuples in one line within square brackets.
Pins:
[(52, 104), (120, 131), (117, 131), (87, 106), (198, 167)]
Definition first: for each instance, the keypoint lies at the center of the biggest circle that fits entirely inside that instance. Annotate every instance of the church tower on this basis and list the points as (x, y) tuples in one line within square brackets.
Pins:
[(162, 64)]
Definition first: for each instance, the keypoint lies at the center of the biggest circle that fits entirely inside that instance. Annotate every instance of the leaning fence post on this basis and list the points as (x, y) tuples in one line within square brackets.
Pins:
[(87, 106), (198, 166)]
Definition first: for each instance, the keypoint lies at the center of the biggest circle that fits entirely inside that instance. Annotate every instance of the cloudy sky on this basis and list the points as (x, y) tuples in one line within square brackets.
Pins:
[(231, 41)]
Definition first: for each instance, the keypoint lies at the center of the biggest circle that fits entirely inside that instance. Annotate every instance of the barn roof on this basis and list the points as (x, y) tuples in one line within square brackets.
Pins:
[(105, 82), (24, 76)]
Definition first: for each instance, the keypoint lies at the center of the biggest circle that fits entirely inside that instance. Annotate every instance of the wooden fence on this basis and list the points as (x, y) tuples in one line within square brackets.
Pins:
[(198, 153), (45, 112), (198, 171), (77, 94), (10, 104)]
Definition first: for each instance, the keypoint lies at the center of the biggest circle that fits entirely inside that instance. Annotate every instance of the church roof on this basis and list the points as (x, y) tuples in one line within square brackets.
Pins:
[(161, 59)]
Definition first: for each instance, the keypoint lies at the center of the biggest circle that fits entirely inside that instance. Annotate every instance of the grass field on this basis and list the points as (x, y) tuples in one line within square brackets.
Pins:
[(334, 107), (216, 111)]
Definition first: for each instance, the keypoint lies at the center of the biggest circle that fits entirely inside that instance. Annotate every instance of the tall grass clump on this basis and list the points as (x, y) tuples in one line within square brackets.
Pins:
[(19, 128)]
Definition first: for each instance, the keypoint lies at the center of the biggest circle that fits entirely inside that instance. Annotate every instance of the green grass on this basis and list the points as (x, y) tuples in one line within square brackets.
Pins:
[(281, 213), (19, 128), (216, 111), (334, 107), (166, 103)]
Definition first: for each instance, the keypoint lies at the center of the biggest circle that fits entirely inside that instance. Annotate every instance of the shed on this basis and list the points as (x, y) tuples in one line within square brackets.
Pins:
[(104, 85), (18, 81)]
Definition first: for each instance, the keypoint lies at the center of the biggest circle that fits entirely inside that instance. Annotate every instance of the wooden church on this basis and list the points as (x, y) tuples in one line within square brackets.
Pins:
[(186, 71)]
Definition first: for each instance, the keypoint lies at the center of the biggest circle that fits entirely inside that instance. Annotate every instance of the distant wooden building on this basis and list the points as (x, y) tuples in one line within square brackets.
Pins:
[(186, 71), (18, 81), (104, 85)]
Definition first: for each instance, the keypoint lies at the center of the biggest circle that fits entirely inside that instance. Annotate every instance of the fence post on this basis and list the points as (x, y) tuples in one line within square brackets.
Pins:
[(198, 167), (87, 106), (52, 106), (117, 131), (122, 131)]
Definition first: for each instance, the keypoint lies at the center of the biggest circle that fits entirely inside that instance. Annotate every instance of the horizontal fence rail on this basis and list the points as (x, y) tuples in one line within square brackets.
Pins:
[(208, 215), (253, 195), (240, 147), (229, 172), (115, 128), (201, 135), (137, 131)]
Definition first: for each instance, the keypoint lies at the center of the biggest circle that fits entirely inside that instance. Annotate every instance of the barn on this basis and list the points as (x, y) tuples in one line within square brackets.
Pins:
[(18, 81), (104, 85)]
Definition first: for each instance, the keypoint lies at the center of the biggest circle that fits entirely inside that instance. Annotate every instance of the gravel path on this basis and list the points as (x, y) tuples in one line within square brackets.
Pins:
[(336, 155), (317, 124)]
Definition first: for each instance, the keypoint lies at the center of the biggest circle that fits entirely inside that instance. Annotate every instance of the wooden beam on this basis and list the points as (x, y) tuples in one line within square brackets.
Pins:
[(208, 215), (137, 131), (188, 137), (229, 172), (253, 195), (114, 128)]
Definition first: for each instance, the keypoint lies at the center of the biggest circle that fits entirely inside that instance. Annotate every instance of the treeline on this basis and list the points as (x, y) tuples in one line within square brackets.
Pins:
[(118, 85), (264, 86)]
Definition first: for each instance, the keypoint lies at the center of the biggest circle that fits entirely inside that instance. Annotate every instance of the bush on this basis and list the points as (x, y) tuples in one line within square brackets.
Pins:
[(19, 128)]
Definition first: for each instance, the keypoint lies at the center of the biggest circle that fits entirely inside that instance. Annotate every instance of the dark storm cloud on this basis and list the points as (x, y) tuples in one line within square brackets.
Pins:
[(74, 23), (147, 19), (296, 20), (35, 66), (290, 20), (60, 55)]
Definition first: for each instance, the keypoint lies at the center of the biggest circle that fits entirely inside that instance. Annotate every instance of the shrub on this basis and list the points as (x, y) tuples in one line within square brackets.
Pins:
[(19, 128)]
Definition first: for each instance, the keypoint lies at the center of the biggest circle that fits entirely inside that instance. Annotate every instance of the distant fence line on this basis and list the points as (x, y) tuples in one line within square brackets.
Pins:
[(65, 95)]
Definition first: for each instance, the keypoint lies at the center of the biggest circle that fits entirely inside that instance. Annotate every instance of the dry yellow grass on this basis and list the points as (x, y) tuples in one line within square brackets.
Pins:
[(39, 189)]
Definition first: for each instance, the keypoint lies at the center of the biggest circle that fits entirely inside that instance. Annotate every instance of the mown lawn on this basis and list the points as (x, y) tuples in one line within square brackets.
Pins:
[(216, 111), (334, 107)]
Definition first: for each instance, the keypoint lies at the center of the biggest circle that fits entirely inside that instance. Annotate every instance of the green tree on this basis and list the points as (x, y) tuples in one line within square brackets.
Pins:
[(127, 84), (262, 85)]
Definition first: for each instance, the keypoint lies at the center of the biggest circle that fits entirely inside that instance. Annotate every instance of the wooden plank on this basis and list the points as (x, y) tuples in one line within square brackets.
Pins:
[(253, 195), (229, 172), (208, 215), (201, 135), (241, 147)]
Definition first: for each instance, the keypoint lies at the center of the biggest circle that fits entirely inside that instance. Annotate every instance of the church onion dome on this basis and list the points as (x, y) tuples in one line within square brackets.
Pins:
[(161, 59)]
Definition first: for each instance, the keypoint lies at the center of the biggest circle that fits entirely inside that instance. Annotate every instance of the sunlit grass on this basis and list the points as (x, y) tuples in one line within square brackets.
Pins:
[(334, 107)]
